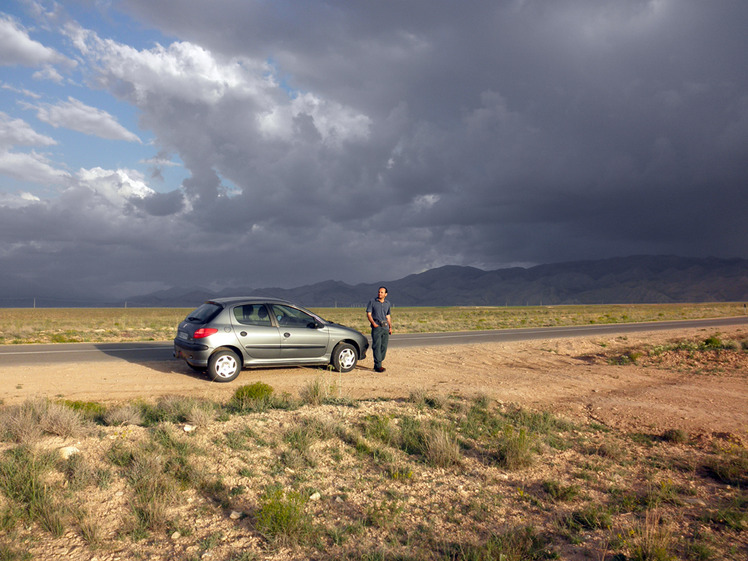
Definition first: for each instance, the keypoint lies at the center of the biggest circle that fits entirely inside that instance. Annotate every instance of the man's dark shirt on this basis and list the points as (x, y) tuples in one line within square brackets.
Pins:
[(379, 310)]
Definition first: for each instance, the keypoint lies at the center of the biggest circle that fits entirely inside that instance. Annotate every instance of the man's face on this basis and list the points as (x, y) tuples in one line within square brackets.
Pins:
[(382, 293)]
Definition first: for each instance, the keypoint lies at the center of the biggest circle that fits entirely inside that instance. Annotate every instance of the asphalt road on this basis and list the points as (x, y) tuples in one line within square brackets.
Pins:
[(18, 355)]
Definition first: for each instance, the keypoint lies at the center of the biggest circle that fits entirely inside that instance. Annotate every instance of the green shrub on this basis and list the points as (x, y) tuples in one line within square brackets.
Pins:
[(120, 453), (713, 343), (560, 492), (626, 358), (733, 515), (516, 544), (676, 436), (88, 409), (153, 491), (253, 397), (8, 553), (79, 472), (651, 540), (174, 408), (440, 448), (124, 415), (315, 392), (379, 427), (729, 466), (479, 422), (411, 435), (29, 421), (22, 479), (515, 448), (591, 517), (281, 515)]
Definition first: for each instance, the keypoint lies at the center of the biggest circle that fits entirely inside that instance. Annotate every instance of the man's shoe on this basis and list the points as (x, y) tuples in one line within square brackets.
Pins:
[(380, 369)]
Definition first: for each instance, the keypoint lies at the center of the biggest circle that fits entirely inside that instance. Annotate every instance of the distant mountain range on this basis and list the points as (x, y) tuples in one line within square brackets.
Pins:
[(637, 279)]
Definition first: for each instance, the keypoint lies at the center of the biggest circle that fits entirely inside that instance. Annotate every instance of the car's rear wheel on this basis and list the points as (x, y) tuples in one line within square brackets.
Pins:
[(344, 357), (224, 366)]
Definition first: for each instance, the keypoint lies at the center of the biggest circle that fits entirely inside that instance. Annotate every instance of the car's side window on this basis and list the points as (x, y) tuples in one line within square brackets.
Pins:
[(252, 314), (291, 316)]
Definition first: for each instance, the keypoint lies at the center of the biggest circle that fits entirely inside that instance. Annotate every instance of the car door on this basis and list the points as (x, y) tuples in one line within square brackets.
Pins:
[(302, 336), (259, 338)]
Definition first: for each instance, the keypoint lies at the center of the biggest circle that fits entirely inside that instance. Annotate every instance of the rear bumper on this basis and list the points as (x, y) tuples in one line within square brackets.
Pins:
[(192, 354)]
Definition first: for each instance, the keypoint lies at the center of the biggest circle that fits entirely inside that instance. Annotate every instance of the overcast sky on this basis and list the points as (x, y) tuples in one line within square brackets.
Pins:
[(239, 142)]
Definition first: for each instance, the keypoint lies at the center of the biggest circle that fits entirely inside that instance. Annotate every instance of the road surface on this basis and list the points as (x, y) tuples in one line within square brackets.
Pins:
[(17, 355)]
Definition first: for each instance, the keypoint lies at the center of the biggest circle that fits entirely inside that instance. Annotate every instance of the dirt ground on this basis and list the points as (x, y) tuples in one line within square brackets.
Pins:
[(581, 379), (571, 377)]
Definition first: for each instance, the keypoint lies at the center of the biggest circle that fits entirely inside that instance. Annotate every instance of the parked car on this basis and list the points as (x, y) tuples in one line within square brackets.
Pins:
[(227, 334)]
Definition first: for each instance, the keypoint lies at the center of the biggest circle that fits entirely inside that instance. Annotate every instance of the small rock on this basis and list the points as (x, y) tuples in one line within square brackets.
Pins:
[(692, 501), (68, 451), (315, 497), (235, 515), (176, 536), (189, 428)]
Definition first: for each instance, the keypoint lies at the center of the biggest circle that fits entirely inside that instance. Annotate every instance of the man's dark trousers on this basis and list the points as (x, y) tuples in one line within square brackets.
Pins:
[(380, 338)]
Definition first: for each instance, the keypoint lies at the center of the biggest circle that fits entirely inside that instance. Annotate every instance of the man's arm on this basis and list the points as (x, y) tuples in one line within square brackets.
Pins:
[(371, 319)]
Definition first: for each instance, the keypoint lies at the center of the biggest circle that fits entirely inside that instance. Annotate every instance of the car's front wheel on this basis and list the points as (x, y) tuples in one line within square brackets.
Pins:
[(224, 366), (344, 357)]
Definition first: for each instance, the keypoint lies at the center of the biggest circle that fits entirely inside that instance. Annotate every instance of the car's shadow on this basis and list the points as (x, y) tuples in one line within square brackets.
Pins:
[(158, 356)]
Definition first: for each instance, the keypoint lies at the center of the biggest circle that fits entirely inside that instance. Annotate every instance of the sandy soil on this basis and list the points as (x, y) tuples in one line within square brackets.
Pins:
[(572, 377), (703, 393)]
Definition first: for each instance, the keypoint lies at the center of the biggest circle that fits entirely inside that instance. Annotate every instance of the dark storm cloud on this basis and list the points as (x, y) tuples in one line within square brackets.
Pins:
[(160, 204), (365, 141), (619, 121)]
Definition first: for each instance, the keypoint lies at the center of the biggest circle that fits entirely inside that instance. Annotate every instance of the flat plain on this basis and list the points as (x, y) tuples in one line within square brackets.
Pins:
[(619, 447)]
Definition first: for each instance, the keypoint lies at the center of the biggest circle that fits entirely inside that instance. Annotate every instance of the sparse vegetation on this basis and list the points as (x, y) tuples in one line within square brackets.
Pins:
[(430, 478), (434, 477), (73, 325), (712, 355)]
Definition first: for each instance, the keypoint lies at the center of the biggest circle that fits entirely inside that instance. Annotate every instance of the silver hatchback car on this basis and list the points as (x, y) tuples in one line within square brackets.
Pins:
[(227, 334)]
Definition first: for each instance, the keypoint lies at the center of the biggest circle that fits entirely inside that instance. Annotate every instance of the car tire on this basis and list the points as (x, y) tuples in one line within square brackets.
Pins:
[(344, 357), (224, 366)]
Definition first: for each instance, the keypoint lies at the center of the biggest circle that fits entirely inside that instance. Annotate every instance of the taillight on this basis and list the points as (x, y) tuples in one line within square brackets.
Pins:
[(204, 332)]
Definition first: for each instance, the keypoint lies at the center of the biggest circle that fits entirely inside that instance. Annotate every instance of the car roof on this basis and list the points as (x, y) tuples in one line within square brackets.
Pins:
[(229, 301)]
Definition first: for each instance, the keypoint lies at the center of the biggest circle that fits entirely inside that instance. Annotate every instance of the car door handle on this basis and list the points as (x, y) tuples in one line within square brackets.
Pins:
[(286, 334), (243, 333)]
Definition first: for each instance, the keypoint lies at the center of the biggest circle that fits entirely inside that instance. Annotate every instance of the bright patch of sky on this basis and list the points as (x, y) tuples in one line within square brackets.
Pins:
[(46, 83)]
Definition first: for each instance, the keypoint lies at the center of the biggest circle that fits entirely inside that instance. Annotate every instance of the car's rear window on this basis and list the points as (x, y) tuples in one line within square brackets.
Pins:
[(204, 313)]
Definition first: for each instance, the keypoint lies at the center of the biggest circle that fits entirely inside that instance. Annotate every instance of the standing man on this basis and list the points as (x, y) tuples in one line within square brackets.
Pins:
[(378, 312)]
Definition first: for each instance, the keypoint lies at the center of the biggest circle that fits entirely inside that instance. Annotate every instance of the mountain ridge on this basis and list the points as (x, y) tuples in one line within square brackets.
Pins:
[(617, 280), (633, 279)]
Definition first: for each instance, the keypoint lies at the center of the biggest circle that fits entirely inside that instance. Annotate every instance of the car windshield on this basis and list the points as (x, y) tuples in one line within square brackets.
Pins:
[(204, 313)]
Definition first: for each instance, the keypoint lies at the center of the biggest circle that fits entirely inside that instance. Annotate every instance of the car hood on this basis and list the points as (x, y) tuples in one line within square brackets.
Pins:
[(343, 329)]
